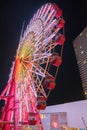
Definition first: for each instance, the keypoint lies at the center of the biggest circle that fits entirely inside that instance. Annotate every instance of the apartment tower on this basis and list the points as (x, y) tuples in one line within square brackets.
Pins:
[(80, 48)]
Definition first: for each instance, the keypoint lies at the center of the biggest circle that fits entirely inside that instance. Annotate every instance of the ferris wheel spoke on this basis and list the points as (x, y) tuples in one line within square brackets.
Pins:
[(46, 41), (46, 72), (45, 47), (36, 70), (50, 17), (38, 85), (41, 91), (46, 11), (54, 22), (50, 47), (41, 56)]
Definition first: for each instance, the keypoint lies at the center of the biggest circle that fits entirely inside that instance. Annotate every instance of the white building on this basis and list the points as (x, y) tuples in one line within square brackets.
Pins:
[(76, 114)]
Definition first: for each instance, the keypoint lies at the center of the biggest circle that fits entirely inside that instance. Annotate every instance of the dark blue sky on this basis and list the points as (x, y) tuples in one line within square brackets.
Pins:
[(12, 15)]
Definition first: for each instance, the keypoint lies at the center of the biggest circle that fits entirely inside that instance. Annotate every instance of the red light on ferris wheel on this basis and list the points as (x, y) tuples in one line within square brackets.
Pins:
[(60, 40), (59, 13), (55, 6), (61, 23), (56, 60)]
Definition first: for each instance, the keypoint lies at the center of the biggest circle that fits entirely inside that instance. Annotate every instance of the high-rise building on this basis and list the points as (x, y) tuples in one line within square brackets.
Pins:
[(80, 47)]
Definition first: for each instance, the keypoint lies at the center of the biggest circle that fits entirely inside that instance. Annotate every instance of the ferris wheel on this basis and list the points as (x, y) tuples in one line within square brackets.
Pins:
[(34, 70)]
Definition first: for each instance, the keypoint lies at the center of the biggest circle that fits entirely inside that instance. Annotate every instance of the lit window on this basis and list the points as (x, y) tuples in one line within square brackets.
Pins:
[(73, 44), (81, 34), (75, 49), (82, 52), (84, 62), (86, 35), (77, 62), (80, 47), (85, 92), (83, 85)]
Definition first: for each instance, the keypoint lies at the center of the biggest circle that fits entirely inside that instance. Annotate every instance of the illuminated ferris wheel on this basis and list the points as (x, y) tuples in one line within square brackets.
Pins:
[(34, 70)]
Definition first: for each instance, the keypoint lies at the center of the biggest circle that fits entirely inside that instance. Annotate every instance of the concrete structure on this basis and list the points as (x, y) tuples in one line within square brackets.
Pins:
[(80, 47), (76, 112)]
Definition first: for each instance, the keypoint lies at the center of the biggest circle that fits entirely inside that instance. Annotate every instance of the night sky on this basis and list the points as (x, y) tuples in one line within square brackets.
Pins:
[(12, 15)]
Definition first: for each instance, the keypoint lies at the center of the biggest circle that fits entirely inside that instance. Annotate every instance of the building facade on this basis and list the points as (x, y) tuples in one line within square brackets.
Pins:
[(80, 48)]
